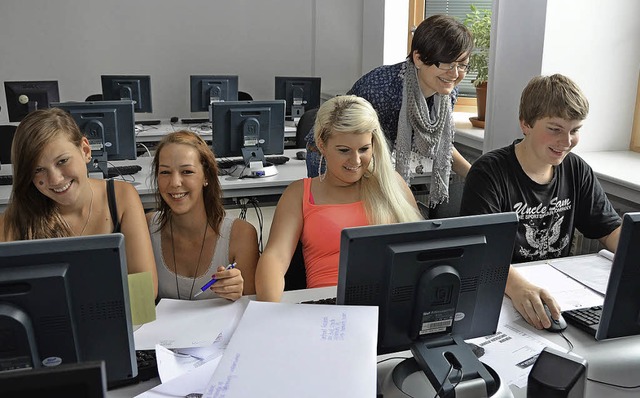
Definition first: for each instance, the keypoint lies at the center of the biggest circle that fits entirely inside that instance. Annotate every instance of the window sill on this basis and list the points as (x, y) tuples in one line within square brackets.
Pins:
[(466, 134), (617, 172)]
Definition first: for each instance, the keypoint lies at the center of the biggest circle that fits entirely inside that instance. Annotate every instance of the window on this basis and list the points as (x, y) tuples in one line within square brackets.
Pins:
[(635, 130), (421, 9)]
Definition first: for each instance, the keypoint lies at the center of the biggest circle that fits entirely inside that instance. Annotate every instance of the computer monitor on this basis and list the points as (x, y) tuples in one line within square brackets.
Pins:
[(128, 87), (436, 283), (206, 89), (621, 309), (248, 129), (110, 128), (301, 94), (28, 96), (66, 300)]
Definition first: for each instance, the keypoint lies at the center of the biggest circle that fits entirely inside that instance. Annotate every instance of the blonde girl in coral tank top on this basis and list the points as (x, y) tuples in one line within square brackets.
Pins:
[(359, 187)]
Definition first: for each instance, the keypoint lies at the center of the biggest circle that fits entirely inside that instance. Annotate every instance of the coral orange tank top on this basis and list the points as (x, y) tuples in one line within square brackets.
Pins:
[(321, 236)]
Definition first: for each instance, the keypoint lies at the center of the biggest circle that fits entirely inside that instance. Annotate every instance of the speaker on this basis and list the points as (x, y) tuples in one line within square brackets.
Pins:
[(557, 375)]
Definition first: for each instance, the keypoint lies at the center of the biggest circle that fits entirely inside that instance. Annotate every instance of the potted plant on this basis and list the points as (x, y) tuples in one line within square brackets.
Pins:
[(479, 23)]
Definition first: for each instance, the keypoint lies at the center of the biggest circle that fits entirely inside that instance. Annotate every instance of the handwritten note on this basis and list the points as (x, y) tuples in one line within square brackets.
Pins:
[(299, 350)]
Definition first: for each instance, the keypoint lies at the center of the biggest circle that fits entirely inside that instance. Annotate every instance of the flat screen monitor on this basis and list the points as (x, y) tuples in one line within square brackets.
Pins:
[(66, 300), (206, 89), (109, 126), (301, 94), (435, 282), (28, 96), (78, 380), (247, 124), (128, 87), (621, 309)]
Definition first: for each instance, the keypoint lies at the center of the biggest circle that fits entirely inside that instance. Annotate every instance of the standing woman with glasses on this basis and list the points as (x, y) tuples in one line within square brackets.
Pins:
[(414, 100)]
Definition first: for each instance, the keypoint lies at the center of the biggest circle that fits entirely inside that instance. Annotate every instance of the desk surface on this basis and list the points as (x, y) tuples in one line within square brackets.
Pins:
[(607, 360)]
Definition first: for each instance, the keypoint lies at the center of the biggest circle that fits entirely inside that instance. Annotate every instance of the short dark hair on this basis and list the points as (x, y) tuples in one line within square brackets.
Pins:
[(441, 38)]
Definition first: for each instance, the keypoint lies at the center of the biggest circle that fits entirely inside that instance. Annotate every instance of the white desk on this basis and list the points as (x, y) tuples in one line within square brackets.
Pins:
[(146, 134), (607, 360)]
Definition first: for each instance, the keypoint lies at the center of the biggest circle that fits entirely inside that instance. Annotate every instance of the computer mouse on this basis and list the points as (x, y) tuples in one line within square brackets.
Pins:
[(301, 155), (174, 119), (556, 325)]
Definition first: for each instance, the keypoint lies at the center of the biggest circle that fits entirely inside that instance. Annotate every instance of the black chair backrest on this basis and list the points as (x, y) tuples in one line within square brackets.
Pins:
[(296, 276), (305, 124), (244, 96), (94, 97), (7, 132)]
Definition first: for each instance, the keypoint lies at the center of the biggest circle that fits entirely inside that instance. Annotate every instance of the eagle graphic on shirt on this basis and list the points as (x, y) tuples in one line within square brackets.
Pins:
[(544, 239)]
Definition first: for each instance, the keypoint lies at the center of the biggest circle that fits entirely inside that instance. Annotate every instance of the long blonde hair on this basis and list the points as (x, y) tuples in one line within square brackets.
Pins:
[(383, 197), (30, 214)]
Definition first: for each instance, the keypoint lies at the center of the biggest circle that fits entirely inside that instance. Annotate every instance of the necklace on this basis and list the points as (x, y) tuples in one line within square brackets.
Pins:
[(175, 265), (88, 216)]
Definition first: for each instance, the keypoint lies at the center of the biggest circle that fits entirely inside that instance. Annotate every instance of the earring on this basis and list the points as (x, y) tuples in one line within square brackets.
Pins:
[(320, 173), (206, 183)]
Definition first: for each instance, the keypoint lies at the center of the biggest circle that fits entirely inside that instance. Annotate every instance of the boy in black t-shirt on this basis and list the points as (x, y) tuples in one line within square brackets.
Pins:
[(551, 189)]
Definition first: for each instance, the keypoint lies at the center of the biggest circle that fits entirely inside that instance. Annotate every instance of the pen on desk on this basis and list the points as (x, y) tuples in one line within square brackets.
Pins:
[(212, 281)]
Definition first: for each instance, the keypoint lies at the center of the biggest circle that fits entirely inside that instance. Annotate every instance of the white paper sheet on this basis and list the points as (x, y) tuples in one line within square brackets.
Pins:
[(293, 350), (565, 290), (192, 382), (184, 323), (512, 351), (592, 271), (174, 363)]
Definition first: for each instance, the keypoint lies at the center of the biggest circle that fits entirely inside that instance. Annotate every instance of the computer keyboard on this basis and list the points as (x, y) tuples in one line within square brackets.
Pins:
[(194, 120), (147, 365), (117, 171), (151, 122), (277, 160), (329, 300), (228, 163), (586, 319), (224, 163), (6, 179)]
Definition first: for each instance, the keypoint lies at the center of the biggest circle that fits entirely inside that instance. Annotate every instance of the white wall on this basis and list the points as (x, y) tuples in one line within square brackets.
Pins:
[(578, 38), (75, 42)]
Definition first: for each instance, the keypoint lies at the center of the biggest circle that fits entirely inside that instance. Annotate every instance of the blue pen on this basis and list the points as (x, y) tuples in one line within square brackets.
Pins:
[(212, 281)]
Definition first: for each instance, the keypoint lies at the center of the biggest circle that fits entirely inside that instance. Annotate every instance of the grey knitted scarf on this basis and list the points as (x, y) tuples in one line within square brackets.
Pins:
[(426, 135)]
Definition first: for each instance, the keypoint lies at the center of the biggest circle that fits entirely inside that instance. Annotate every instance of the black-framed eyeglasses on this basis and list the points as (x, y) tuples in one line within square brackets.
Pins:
[(462, 68)]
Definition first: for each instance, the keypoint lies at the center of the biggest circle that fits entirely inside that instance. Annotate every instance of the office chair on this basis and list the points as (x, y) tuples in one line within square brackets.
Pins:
[(443, 210), (94, 97), (244, 96), (296, 276), (305, 124), (7, 132)]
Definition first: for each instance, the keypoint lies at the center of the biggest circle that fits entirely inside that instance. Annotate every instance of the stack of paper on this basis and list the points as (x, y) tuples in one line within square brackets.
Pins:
[(293, 350)]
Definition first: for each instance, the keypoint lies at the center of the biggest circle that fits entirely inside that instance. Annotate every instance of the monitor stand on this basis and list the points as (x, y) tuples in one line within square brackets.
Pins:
[(440, 362), (257, 169), (255, 165), (408, 379)]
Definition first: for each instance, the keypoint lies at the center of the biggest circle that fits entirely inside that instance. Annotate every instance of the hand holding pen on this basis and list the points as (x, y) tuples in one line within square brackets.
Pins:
[(213, 280)]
